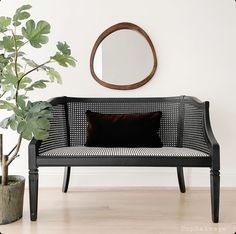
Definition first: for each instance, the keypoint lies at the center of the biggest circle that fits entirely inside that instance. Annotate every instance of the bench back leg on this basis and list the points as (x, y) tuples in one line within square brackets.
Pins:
[(33, 193), (66, 179), (215, 194), (180, 174)]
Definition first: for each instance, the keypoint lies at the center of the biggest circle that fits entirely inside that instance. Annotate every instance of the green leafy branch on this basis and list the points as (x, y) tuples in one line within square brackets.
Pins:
[(29, 119)]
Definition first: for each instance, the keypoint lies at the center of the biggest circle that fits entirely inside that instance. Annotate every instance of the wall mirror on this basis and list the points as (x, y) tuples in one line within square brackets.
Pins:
[(123, 57)]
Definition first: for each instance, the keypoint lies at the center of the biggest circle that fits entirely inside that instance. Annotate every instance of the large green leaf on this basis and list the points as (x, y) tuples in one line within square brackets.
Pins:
[(21, 102), (36, 33), (64, 48), (13, 125), (54, 76), (9, 42), (31, 120), (40, 134), (19, 54), (37, 107), (7, 105), (30, 62), (6, 87), (43, 123), (64, 60), (4, 23), (8, 77), (1, 45), (40, 84), (13, 122), (4, 123), (35, 122), (24, 130), (10, 121), (21, 14), (3, 61), (24, 82)]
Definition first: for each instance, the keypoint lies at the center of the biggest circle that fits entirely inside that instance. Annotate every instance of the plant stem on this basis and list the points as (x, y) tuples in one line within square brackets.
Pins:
[(15, 65), (1, 147), (15, 154), (3, 94), (16, 54), (12, 150), (4, 170), (23, 45), (6, 161), (3, 159), (34, 69)]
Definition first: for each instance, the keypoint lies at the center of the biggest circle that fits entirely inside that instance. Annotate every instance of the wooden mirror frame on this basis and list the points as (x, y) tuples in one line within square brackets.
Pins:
[(107, 32)]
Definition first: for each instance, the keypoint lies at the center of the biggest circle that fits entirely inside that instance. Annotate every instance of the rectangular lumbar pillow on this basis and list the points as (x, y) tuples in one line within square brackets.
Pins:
[(123, 130)]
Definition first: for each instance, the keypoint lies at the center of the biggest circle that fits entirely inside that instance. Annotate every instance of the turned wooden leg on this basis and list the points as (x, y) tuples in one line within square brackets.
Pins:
[(33, 193), (180, 174), (66, 179), (215, 194)]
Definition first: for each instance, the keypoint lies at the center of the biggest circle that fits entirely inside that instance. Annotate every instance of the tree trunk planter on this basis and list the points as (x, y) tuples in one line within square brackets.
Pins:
[(11, 199)]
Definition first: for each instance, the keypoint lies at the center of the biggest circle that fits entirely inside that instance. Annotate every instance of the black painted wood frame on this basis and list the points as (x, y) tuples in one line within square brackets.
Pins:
[(212, 162)]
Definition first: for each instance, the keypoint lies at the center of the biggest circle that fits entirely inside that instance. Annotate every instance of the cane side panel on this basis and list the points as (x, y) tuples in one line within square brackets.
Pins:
[(57, 132), (193, 135)]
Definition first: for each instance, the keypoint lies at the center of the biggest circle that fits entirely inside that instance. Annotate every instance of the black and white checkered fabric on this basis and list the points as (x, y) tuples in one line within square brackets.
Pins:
[(82, 151)]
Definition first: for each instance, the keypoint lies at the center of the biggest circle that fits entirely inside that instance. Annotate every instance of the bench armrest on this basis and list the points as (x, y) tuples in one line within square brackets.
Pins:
[(58, 132), (214, 147)]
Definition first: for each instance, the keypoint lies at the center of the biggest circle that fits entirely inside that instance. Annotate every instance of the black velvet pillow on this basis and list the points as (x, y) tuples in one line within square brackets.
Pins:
[(123, 130)]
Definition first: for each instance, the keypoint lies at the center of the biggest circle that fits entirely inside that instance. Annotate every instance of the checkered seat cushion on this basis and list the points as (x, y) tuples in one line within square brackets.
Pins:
[(82, 151)]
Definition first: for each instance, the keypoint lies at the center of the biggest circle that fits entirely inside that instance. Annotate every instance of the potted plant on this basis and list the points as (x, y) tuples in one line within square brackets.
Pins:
[(28, 119)]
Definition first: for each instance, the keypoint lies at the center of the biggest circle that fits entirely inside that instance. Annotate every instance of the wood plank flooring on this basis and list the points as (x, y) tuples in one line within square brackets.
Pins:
[(139, 210)]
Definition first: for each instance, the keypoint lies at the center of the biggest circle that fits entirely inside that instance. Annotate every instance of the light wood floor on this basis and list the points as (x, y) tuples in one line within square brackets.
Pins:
[(126, 210)]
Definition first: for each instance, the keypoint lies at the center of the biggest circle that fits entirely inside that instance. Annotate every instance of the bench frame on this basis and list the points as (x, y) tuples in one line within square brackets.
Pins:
[(212, 162)]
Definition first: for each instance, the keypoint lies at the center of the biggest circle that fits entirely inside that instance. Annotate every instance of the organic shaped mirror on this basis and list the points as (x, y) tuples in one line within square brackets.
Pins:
[(123, 57)]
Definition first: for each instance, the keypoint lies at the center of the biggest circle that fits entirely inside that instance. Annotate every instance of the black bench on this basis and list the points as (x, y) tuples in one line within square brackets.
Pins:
[(185, 131)]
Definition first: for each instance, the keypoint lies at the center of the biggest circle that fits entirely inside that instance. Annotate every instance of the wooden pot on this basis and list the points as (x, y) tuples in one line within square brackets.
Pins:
[(11, 199)]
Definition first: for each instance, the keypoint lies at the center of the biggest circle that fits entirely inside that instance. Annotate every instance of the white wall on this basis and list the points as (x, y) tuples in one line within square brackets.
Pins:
[(196, 47)]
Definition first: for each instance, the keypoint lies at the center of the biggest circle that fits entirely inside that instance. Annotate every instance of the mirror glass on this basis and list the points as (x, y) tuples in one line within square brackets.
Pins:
[(123, 59)]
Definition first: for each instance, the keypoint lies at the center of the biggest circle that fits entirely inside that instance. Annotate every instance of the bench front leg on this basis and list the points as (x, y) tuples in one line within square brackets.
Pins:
[(33, 193), (215, 194)]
